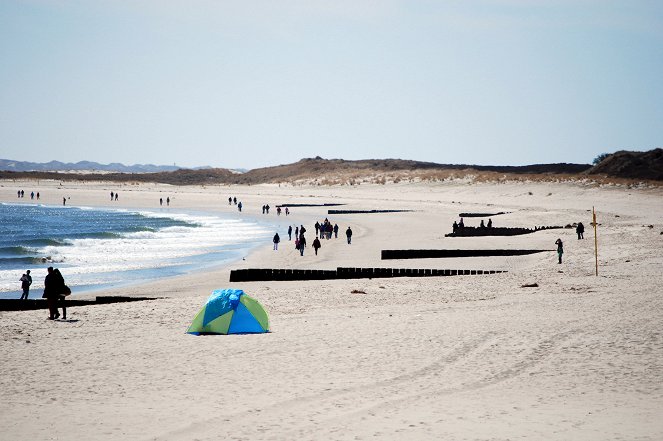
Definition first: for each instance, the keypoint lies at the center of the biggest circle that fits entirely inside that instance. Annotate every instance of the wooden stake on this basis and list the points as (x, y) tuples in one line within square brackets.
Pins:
[(596, 243)]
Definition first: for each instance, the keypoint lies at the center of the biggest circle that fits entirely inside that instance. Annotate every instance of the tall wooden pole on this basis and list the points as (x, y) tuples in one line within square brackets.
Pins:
[(596, 243)]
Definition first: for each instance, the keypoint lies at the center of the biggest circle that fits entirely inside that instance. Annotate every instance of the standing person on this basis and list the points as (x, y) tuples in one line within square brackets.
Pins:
[(287, 212), (112, 194), (316, 245), (161, 202), (348, 233), (26, 281), (482, 225), (37, 195), (64, 201), (235, 200), (560, 249), (580, 229), (490, 223), (317, 227), (32, 195), (278, 211), (62, 291), (117, 195), (296, 233), (335, 231), (302, 244), (230, 200), (267, 208), (239, 206), (461, 224), (168, 201), (289, 232), (51, 294), (263, 209), (276, 241)]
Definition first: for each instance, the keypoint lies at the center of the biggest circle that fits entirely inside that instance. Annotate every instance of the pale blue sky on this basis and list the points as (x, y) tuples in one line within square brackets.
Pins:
[(257, 83)]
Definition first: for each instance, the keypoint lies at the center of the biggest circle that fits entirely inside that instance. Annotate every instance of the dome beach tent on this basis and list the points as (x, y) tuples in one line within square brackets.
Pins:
[(230, 311)]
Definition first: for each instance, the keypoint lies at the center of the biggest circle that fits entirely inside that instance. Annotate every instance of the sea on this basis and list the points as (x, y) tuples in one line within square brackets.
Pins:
[(101, 248)]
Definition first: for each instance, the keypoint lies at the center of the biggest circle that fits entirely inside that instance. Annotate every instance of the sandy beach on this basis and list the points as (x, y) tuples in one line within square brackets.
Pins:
[(579, 357)]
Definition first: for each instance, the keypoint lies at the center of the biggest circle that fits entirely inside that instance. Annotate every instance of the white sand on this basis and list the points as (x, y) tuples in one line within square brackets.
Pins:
[(455, 358)]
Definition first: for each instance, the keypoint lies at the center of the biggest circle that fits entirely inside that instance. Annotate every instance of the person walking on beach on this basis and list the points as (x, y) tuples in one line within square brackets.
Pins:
[(112, 194), (64, 201), (560, 249), (239, 206), (161, 202), (490, 223), (276, 241), (117, 195), (168, 201), (335, 231), (316, 245), (230, 200), (348, 233), (317, 227), (580, 230), (302, 244), (289, 232), (26, 281), (287, 212), (296, 233), (37, 195)]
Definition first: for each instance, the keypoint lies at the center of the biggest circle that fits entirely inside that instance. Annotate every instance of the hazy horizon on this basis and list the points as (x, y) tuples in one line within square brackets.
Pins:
[(238, 84)]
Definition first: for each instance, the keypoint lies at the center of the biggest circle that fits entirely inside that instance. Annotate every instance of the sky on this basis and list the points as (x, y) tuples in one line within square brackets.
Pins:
[(248, 84)]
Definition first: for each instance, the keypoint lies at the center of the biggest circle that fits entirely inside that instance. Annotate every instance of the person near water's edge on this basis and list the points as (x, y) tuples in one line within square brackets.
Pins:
[(26, 281), (560, 249), (276, 241), (50, 294), (348, 233), (289, 232)]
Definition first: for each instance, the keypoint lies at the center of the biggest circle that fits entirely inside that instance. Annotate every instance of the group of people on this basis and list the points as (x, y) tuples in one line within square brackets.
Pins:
[(55, 291), (325, 229), (322, 231), (21, 194), (114, 196), (461, 224), (167, 201)]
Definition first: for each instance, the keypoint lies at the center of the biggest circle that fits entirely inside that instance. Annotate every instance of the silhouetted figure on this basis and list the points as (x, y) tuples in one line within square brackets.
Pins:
[(26, 281), (161, 202), (317, 228), (316, 245), (267, 208), (112, 194), (263, 209), (461, 224), (348, 234), (278, 211), (287, 212), (296, 233), (168, 201), (580, 229), (560, 249), (37, 195), (335, 231), (490, 223), (289, 232), (481, 224), (51, 293), (64, 201), (302, 244), (239, 206), (235, 200), (32, 195), (117, 195), (230, 200), (455, 226), (276, 241)]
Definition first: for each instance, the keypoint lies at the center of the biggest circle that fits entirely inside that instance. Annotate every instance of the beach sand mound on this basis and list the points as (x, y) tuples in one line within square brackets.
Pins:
[(632, 165)]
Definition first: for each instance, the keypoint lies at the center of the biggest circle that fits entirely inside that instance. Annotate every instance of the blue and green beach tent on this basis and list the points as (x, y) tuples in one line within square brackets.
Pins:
[(230, 311)]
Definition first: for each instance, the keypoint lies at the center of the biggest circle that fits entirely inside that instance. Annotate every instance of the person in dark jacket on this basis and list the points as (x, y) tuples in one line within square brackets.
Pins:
[(316, 245), (348, 233), (51, 293), (276, 241), (26, 281), (580, 229), (289, 232)]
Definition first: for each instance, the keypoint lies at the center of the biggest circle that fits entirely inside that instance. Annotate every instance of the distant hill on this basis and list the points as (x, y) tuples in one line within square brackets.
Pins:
[(631, 165), (87, 166)]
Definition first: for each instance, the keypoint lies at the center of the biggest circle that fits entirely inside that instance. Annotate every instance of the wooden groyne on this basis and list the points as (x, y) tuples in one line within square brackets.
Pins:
[(308, 205), (267, 274), (482, 214), (441, 254), (496, 231), (33, 304), (366, 211)]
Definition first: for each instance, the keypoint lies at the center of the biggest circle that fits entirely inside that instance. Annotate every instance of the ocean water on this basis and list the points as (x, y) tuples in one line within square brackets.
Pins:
[(99, 248)]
